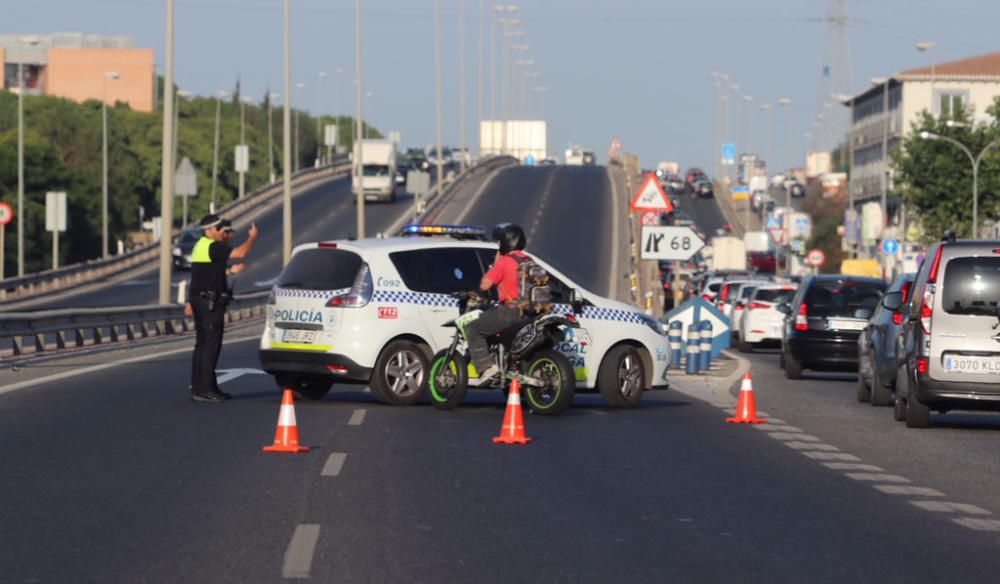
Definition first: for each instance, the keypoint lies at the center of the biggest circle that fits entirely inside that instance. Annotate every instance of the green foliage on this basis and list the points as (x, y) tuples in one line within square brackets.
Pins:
[(935, 176), (63, 152), (827, 214)]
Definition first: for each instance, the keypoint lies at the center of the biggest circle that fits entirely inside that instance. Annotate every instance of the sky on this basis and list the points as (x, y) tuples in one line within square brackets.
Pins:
[(637, 69)]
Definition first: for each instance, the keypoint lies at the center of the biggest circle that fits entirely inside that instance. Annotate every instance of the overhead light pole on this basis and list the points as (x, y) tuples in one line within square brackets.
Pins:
[(785, 102), (286, 147), (270, 136), (28, 40), (336, 114), (298, 117), (243, 141), (104, 159), (359, 122), (929, 47), (167, 163), (370, 96), (215, 150), (461, 84), (319, 107), (769, 112), (974, 160), (439, 117)]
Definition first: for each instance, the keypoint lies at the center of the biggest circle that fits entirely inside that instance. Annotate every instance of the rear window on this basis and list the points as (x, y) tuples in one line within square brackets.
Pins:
[(439, 270), (971, 286), (842, 298), (320, 269), (714, 287), (746, 291), (774, 295)]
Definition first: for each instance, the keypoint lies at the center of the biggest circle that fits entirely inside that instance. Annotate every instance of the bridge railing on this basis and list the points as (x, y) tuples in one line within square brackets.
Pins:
[(31, 334), (49, 281)]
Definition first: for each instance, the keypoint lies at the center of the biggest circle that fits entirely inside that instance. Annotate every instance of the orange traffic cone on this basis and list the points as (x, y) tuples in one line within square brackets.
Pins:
[(286, 437), (512, 431), (746, 409)]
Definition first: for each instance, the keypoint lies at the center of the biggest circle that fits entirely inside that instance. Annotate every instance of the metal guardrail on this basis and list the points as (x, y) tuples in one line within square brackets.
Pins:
[(20, 287), (45, 332)]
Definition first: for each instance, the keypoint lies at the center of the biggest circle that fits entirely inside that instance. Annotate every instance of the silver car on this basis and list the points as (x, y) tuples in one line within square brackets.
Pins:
[(950, 342)]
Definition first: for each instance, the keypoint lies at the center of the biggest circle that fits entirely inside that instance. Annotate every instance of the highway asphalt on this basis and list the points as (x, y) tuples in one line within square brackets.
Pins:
[(112, 475)]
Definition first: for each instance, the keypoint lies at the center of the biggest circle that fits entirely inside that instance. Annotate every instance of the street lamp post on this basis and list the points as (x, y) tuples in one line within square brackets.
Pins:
[(438, 125), (974, 160), (766, 107), (270, 136), (461, 84), (215, 151), (104, 159), (370, 95), (29, 40), (243, 142), (298, 116), (286, 146), (359, 122), (929, 47), (336, 114), (167, 163), (319, 106)]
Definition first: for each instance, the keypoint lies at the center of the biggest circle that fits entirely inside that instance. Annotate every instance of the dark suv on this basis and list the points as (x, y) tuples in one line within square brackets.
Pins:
[(823, 321), (950, 343)]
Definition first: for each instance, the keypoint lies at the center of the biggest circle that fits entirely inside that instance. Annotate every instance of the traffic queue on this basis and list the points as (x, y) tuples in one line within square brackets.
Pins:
[(926, 341)]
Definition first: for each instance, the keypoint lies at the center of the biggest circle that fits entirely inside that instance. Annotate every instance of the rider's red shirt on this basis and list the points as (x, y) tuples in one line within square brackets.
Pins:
[(504, 275)]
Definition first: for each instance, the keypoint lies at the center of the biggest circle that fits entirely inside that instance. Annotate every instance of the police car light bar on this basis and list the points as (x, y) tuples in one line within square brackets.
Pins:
[(457, 231)]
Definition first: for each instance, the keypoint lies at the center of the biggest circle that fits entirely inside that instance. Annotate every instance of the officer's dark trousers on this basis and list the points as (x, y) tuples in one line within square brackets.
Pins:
[(208, 327), (489, 323)]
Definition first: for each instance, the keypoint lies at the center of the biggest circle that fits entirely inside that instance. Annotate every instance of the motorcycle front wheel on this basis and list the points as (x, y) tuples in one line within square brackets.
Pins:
[(449, 379), (555, 394)]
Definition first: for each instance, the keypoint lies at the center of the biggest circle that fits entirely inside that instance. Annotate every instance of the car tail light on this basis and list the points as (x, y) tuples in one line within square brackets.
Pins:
[(932, 278), (922, 365), (926, 309), (706, 297), (738, 307), (757, 306), (724, 293), (326, 244), (337, 369), (802, 318), (360, 294)]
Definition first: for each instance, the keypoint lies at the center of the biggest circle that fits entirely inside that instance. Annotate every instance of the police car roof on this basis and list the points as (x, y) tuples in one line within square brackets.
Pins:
[(390, 244)]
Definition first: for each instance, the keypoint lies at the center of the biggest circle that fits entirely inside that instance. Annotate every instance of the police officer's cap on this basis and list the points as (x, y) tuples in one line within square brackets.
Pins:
[(226, 225), (209, 221)]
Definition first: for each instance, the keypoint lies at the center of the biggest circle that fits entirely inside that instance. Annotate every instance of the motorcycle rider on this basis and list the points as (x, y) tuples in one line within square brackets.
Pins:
[(503, 275)]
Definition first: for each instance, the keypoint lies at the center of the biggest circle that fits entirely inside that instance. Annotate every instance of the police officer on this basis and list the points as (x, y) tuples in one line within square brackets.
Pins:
[(209, 294)]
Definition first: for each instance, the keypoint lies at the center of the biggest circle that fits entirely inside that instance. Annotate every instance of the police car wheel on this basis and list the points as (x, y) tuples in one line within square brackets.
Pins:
[(307, 387), (621, 377), (401, 372)]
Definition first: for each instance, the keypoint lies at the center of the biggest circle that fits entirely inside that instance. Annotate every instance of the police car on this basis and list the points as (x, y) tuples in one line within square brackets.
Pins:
[(371, 312)]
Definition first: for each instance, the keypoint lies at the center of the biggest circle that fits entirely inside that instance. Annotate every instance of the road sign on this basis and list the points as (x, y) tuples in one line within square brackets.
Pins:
[(728, 153), (418, 182), (815, 257), (529, 160), (330, 135), (6, 214), (890, 246), (772, 222), (55, 211), (777, 235), (650, 218), (395, 137), (670, 243), (651, 197), (741, 193), (242, 158), (186, 179)]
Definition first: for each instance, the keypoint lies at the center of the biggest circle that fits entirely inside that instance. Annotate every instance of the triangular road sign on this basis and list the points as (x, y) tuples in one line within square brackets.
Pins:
[(777, 235), (651, 197)]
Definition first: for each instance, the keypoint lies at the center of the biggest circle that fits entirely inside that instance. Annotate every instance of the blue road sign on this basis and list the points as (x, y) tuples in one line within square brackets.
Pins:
[(728, 153), (529, 160), (890, 246), (773, 222)]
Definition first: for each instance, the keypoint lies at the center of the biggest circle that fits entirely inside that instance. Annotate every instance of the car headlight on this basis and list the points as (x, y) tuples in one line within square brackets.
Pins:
[(652, 323), (177, 251)]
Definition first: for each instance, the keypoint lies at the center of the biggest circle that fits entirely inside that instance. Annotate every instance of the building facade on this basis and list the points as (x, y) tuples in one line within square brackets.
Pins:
[(883, 114), (75, 66)]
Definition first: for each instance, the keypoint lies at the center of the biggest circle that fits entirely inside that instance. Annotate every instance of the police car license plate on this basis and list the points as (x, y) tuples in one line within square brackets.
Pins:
[(298, 336), (845, 325), (978, 365), (582, 336)]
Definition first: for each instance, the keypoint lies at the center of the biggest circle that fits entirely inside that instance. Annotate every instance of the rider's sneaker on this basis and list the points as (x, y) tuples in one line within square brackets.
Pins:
[(487, 376)]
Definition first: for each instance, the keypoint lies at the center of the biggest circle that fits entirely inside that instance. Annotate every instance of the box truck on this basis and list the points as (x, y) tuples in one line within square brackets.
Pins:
[(378, 170)]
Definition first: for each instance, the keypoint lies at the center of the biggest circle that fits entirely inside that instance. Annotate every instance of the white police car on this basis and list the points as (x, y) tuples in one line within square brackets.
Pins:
[(371, 312)]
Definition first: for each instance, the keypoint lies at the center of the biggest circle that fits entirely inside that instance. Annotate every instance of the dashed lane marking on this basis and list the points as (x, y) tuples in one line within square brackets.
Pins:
[(832, 456), (357, 417), (793, 436), (777, 428), (852, 466), (334, 463), (811, 446), (299, 555), (908, 490), (979, 524), (949, 507), (877, 477)]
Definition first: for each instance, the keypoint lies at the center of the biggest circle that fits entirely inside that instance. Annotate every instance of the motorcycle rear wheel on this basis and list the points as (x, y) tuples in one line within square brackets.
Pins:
[(449, 379), (556, 395)]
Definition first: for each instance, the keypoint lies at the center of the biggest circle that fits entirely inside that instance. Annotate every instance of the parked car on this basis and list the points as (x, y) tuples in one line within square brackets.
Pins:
[(703, 188), (742, 296), (761, 322), (950, 343), (823, 321), (729, 295), (877, 356), (183, 248)]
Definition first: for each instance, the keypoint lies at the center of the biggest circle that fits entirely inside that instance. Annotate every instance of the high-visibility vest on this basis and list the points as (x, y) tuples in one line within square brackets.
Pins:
[(200, 255)]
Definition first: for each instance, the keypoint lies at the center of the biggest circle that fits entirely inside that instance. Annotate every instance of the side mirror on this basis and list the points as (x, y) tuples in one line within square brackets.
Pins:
[(783, 308), (575, 302), (892, 301)]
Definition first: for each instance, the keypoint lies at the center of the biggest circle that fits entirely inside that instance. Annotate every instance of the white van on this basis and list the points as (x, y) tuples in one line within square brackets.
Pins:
[(378, 167)]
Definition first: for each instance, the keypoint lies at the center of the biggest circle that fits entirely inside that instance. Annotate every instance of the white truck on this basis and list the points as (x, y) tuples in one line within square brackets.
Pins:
[(728, 253), (574, 156), (378, 171)]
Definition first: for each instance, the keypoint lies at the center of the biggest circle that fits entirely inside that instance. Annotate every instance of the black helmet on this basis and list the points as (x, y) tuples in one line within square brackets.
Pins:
[(510, 237)]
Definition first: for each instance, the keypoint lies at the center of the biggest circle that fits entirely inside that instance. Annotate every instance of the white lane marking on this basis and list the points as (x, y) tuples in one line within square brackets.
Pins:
[(103, 366), (979, 524), (907, 490), (231, 374), (877, 477), (299, 555), (793, 436), (357, 417), (832, 456), (810, 446), (771, 420), (777, 428), (334, 464), (949, 507), (852, 466)]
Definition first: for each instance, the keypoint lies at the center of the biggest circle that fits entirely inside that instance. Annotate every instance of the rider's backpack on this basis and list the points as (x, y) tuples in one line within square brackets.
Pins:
[(534, 296)]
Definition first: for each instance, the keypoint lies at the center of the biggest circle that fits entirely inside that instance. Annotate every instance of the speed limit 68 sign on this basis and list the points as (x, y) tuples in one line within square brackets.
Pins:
[(669, 243)]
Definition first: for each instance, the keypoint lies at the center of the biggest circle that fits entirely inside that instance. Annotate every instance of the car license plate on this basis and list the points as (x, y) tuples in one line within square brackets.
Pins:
[(299, 336), (582, 336), (845, 325), (979, 365)]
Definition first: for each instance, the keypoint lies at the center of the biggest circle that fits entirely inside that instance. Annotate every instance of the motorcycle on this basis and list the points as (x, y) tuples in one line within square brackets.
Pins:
[(525, 352)]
